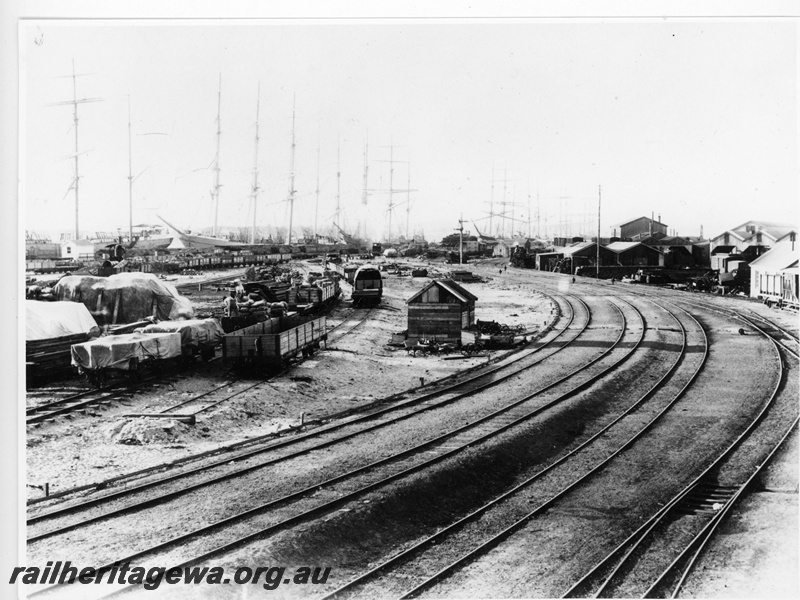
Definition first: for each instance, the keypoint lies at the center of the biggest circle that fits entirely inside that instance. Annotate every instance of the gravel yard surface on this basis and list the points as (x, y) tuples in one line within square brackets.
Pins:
[(539, 560)]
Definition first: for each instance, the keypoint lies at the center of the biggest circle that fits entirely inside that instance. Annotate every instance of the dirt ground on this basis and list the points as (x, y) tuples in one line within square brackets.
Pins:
[(353, 371)]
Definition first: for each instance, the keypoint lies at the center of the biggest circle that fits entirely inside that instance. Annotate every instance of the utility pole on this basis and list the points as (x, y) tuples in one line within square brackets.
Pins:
[(291, 178), (408, 200), (391, 190), (599, 198), (460, 231), (216, 159), (491, 205), (255, 169)]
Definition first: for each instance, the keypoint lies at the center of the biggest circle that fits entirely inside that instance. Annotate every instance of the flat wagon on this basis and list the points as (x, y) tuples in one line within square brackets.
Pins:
[(273, 343)]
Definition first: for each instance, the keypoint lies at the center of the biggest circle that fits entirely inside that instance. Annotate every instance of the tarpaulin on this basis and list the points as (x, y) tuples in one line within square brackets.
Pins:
[(116, 351), (45, 320), (194, 332), (125, 297)]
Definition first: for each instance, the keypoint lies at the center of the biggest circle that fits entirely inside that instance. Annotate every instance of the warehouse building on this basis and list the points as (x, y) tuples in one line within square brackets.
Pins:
[(636, 254)]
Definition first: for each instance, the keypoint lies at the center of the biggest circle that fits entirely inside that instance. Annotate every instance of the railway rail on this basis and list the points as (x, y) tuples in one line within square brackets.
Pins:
[(399, 570), (686, 523), (444, 451), (471, 385), (500, 425)]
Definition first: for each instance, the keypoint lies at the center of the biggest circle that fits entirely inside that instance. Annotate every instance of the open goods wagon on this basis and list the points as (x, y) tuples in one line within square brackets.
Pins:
[(274, 342)]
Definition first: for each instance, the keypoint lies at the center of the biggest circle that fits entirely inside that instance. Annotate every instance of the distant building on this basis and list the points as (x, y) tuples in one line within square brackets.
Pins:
[(636, 254), (747, 242), (77, 250), (642, 227), (502, 249), (567, 260), (775, 275), (680, 251), (750, 234)]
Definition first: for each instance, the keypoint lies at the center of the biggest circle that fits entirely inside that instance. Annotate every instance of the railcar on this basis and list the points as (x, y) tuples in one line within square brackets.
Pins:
[(367, 286), (273, 343)]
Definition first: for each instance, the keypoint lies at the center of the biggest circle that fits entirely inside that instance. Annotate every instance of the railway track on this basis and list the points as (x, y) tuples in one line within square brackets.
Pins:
[(475, 427), (656, 559), (225, 547), (84, 401), (472, 385), (432, 559), (352, 321)]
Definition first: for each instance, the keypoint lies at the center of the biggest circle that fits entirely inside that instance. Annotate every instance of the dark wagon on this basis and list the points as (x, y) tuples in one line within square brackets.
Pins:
[(367, 286), (274, 342)]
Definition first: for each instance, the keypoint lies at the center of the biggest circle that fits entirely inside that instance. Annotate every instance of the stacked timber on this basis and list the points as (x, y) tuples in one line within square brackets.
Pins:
[(51, 357)]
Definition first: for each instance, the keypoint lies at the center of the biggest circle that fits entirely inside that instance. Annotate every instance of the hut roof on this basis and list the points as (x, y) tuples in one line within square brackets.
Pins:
[(449, 285)]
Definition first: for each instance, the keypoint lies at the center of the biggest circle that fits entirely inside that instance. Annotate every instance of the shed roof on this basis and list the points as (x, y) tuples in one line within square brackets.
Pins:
[(781, 257), (86, 243), (625, 246), (449, 285), (640, 219)]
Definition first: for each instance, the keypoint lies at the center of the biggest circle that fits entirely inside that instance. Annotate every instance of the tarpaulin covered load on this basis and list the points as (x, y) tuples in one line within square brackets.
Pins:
[(46, 320), (193, 332), (116, 351), (125, 297)]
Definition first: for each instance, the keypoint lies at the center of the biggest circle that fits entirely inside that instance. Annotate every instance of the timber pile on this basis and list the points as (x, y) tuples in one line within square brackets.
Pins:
[(51, 357)]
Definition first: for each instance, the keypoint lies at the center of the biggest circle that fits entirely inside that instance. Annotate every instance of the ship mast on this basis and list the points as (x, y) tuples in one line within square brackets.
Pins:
[(316, 206), (130, 178), (291, 179), (216, 158), (75, 102), (255, 168), (338, 183), (364, 192)]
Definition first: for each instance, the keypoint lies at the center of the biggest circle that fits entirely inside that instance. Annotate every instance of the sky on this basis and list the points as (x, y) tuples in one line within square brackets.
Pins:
[(692, 120)]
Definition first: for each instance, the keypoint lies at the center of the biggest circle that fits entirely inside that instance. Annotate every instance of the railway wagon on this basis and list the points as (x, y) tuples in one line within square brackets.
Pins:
[(346, 271), (367, 286), (322, 293), (274, 342), (126, 352)]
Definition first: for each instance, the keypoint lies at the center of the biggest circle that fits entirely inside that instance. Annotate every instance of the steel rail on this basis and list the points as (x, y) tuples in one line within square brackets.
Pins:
[(325, 428), (723, 513), (238, 472), (700, 540), (627, 548), (502, 535), (322, 430), (325, 507), (435, 538)]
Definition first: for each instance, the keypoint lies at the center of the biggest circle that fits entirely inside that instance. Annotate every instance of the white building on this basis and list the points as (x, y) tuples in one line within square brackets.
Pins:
[(77, 249)]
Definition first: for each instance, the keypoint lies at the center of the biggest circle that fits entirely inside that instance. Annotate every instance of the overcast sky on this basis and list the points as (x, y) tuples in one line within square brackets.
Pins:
[(692, 120)]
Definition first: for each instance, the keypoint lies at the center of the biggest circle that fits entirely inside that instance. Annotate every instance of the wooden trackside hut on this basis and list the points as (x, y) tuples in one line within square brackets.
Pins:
[(440, 311)]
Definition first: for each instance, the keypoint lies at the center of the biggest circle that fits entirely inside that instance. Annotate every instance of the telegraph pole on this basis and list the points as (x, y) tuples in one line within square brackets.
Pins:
[(599, 198), (460, 231)]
